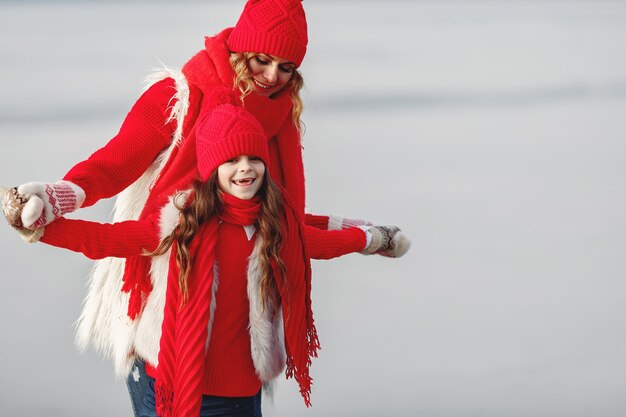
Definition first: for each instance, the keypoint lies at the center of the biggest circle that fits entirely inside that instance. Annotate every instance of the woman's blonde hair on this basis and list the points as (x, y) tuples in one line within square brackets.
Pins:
[(243, 81), (206, 203)]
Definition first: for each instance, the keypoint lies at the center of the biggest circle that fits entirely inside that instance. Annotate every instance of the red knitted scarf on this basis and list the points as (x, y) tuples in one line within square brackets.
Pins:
[(182, 354)]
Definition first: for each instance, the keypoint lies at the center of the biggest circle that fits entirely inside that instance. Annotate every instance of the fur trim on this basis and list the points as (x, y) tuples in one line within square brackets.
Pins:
[(216, 283), (103, 323), (170, 213), (266, 329), (148, 335)]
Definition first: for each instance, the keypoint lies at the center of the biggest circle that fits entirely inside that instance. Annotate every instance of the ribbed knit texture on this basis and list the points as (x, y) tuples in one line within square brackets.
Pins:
[(101, 240), (230, 371), (328, 244), (274, 27), (225, 133), (317, 221), (178, 388), (301, 341), (229, 368)]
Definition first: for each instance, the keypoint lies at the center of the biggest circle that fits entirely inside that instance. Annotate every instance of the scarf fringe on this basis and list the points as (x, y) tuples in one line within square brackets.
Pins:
[(302, 376), (164, 400), (313, 343), (138, 290)]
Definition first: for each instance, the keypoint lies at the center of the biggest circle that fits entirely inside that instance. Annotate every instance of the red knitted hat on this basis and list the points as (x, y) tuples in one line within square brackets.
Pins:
[(225, 133), (273, 27)]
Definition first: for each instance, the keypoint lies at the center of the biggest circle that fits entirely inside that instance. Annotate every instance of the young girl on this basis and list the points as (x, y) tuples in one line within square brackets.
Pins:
[(237, 305)]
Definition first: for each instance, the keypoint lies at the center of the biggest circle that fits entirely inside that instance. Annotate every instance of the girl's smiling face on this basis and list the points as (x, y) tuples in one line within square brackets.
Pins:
[(241, 176), (270, 74)]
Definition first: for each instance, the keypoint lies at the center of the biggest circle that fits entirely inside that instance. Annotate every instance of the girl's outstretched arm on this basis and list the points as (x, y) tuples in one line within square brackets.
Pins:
[(328, 244), (387, 241), (101, 240)]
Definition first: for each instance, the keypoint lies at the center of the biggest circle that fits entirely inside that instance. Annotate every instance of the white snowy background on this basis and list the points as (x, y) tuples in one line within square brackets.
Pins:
[(492, 132)]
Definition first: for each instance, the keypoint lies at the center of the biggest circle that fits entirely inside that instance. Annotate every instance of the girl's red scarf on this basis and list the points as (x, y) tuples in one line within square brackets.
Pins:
[(182, 354)]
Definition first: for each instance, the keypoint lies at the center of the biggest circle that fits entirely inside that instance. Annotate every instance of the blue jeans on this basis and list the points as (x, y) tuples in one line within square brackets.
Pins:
[(137, 384), (141, 390)]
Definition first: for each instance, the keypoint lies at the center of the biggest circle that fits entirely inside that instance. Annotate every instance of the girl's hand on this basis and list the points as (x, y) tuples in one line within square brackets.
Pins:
[(387, 241)]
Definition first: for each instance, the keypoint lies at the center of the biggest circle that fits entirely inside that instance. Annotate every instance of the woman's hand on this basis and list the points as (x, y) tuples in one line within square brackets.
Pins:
[(47, 202)]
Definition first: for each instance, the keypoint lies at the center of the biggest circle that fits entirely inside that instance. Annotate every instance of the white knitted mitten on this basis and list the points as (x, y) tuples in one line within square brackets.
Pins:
[(47, 202), (387, 241), (12, 205)]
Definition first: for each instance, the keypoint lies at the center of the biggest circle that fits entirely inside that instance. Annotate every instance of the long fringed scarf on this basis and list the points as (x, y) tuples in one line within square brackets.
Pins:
[(301, 338), (182, 354)]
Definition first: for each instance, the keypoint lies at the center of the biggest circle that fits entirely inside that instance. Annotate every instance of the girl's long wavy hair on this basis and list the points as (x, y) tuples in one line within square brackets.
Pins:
[(206, 202), (243, 81)]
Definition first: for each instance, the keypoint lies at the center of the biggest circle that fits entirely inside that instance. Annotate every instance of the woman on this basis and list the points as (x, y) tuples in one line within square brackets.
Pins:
[(154, 154)]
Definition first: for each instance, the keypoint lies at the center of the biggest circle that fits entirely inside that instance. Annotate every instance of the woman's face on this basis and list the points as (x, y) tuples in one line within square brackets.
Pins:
[(270, 74), (241, 176)]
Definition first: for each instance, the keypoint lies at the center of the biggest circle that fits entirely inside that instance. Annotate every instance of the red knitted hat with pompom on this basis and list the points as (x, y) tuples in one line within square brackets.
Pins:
[(273, 27), (225, 133)]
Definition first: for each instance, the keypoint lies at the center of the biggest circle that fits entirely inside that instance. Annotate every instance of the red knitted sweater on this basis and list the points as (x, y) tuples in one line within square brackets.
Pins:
[(230, 371)]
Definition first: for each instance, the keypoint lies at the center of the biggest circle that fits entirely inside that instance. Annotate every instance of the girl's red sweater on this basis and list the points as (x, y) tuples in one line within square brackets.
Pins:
[(230, 370)]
